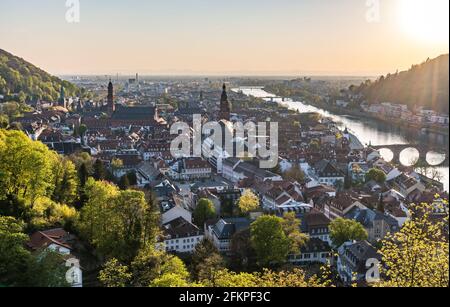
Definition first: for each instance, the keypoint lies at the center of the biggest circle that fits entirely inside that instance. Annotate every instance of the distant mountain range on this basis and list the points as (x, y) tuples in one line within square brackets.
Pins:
[(21, 80), (424, 85)]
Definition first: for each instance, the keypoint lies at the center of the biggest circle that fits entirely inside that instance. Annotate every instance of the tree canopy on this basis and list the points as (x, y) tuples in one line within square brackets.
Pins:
[(377, 175), (291, 227), (424, 85), (248, 202), (20, 77), (37, 185), (343, 230), (417, 255), (115, 222), (269, 240), (204, 211)]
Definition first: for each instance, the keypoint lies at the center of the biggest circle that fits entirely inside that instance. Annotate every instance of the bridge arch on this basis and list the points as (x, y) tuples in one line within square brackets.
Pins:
[(423, 151)]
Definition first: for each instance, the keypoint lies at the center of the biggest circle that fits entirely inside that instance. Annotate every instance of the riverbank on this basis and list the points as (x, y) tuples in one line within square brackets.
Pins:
[(416, 127), (368, 130)]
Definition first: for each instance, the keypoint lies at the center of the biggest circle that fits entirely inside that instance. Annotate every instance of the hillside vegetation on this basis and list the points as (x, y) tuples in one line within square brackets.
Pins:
[(424, 85), (22, 81)]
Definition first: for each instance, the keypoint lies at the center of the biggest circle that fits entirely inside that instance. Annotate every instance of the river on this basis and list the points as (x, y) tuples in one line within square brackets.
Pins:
[(370, 131)]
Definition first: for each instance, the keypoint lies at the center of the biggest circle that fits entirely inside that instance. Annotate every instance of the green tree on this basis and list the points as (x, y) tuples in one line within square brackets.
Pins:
[(132, 178), (417, 255), (4, 121), (99, 170), (47, 269), (152, 220), (47, 213), (124, 182), (80, 158), (296, 278), (377, 175), (203, 250), (151, 265), (114, 221), (269, 240), (291, 227), (248, 202), (226, 278), (11, 109), (293, 278), (27, 167), (343, 230), (13, 255), (204, 211), (171, 280), (146, 266), (115, 275), (2, 85), (83, 175), (116, 164), (66, 182), (18, 267), (243, 254), (22, 97), (11, 205), (209, 269)]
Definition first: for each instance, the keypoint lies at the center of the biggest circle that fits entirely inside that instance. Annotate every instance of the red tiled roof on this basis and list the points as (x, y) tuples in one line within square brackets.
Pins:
[(42, 239), (196, 164)]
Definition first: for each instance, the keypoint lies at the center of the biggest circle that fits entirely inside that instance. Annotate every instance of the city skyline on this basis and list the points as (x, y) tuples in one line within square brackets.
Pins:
[(215, 38)]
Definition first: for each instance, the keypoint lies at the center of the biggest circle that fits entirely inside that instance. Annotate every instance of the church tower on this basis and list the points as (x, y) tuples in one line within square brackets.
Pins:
[(225, 106), (62, 97), (111, 105)]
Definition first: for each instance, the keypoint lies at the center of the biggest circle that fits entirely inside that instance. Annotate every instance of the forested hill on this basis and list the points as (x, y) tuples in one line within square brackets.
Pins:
[(423, 85), (18, 76)]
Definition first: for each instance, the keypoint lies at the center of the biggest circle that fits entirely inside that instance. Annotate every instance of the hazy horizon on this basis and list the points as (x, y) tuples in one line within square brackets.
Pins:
[(232, 38), (219, 75)]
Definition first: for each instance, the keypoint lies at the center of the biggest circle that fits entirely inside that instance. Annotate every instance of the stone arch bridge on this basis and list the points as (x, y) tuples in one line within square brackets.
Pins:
[(423, 150)]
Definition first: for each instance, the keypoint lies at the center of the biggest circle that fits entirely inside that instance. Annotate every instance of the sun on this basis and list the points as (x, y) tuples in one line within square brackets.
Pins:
[(425, 20)]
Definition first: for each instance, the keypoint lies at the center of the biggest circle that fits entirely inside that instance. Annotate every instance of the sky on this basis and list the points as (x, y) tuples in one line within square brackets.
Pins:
[(228, 37)]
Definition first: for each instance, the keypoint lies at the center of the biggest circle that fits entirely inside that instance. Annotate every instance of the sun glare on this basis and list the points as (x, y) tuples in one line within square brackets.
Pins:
[(425, 20)]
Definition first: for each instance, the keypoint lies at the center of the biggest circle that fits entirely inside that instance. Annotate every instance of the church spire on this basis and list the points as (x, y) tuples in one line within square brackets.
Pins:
[(62, 97), (224, 92), (225, 106), (111, 105)]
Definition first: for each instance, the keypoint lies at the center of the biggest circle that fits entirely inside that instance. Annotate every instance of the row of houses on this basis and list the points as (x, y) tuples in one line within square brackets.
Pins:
[(393, 110)]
